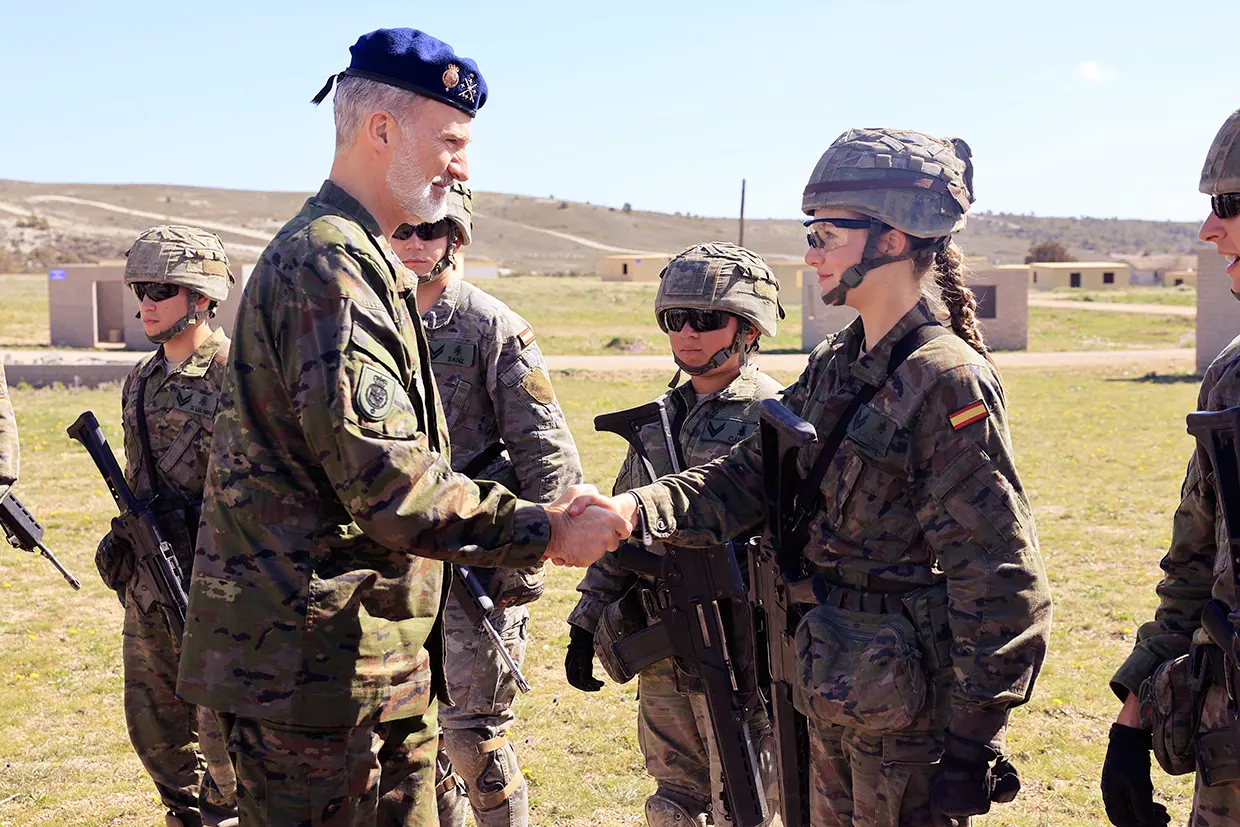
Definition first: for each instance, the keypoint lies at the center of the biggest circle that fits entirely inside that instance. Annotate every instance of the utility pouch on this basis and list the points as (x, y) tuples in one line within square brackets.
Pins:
[(516, 587), (621, 620), (1171, 710), (859, 669), (927, 608)]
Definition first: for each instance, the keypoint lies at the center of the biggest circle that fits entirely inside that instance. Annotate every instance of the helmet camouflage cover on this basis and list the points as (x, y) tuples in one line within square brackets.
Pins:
[(1221, 172), (461, 211), (916, 183), (181, 255), (721, 276)]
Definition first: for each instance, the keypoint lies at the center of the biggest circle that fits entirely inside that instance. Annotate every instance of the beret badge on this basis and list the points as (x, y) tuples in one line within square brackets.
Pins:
[(451, 77)]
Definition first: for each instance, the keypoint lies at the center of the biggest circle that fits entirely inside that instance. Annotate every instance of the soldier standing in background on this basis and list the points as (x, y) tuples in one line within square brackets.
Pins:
[(1161, 682), (714, 302), (504, 424), (169, 399), (314, 612)]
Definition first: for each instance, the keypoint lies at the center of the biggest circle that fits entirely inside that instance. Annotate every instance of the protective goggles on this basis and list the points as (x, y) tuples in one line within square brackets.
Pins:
[(426, 232), (157, 290), (1225, 204), (830, 233), (674, 319)]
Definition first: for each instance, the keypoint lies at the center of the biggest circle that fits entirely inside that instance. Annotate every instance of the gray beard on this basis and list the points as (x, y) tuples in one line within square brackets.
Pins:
[(414, 193)]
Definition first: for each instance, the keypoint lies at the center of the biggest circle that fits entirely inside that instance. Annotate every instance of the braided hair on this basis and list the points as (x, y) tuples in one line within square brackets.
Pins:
[(947, 261)]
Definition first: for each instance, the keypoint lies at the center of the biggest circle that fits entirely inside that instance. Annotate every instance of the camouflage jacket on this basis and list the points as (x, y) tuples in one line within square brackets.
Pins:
[(923, 490), (9, 448), (712, 424), (330, 499), (1195, 565), (493, 381)]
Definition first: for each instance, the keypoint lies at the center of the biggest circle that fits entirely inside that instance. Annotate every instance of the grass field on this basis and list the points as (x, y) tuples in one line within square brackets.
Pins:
[(1101, 454), (1182, 296), (1057, 329)]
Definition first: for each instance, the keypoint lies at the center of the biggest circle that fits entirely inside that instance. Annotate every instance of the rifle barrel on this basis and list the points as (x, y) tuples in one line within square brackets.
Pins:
[(51, 558)]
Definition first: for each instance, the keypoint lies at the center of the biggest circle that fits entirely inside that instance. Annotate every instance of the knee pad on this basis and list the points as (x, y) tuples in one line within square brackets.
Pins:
[(664, 812), (487, 765)]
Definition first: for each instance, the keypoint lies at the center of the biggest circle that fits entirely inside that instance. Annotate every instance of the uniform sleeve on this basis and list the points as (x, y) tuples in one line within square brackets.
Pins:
[(975, 516), (604, 581), (529, 417), (1188, 577), (9, 447), (340, 359)]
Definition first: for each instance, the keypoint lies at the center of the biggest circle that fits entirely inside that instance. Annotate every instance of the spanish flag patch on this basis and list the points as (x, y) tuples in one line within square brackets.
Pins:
[(968, 415), (526, 336)]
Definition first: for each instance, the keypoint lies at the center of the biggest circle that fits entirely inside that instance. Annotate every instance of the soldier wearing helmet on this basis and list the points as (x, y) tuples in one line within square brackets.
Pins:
[(931, 609), (1175, 686), (714, 302), (504, 424), (178, 274)]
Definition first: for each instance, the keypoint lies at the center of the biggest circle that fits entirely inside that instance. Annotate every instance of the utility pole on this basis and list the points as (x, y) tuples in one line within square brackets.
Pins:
[(741, 241)]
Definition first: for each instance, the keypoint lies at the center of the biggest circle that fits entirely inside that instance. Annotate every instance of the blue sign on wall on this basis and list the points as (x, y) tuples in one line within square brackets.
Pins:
[(56, 275)]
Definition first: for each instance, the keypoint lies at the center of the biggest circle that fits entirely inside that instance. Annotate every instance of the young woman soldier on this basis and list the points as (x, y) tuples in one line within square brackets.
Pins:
[(934, 610)]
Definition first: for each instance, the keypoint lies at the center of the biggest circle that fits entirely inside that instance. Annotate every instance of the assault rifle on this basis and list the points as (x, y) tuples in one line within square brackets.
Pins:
[(477, 603), (698, 594), (155, 562), (776, 570), (23, 531)]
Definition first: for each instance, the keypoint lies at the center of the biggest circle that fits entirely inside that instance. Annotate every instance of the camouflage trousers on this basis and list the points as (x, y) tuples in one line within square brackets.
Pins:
[(371, 775), (165, 731), (675, 737), (477, 764), (1217, 806)]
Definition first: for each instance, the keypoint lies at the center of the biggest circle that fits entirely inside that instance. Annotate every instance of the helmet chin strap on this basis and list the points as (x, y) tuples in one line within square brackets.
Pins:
[(869, 260), (719, 359), (444, 262), (181, 324)]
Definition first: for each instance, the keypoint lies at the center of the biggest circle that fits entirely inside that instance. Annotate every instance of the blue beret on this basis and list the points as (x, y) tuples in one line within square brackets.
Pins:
[(413, 60)]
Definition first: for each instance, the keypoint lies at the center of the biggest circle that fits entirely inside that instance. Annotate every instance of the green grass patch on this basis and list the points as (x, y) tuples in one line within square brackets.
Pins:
[(1182, 296), (1058, 329), (1101, 454), (23, 311)]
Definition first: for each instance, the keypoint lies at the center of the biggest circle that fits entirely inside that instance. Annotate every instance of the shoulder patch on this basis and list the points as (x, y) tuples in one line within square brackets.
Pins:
[(968, 415), (194, 401), (537, 385), (526, 336), (376, 393), (458, 354)]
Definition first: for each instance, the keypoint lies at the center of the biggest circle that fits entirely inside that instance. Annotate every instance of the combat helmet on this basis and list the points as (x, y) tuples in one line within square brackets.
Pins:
[(721, 276), (913, 182), (461, 214), (186, 256), (1221, 172)]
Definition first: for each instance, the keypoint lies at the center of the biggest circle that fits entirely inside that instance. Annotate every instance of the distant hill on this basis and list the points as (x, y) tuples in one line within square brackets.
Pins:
[(45, 224)]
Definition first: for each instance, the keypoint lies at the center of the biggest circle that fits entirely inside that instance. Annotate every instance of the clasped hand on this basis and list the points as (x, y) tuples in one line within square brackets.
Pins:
[(585, 524)]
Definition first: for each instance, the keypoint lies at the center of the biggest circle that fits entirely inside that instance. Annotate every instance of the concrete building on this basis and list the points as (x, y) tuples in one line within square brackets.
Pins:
[(1218, 317), (475, 269), (1179, 278), (792, 274), (1087, 275), (88, 305), (1002, 308), (1154, 269), (641, 267)]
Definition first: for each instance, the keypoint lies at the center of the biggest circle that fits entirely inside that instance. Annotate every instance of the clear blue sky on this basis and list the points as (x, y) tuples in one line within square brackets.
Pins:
[(1072, 108)]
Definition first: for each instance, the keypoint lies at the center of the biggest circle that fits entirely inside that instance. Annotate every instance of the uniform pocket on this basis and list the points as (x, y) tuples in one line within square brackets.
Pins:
[(858, 669), (1172, 709), (875, 511)]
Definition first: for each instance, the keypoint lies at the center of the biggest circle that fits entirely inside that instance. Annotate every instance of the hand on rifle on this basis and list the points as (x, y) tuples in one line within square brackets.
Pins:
[(579, 662), (584, 526)]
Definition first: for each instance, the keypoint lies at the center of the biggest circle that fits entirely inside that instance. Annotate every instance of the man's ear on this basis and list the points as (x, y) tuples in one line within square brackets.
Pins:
[(379, 127), (892, 243), (201, 303)]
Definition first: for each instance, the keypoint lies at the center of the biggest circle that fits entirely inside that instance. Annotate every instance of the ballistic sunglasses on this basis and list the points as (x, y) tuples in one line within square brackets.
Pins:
[(158, 290), (674, 319), (426, 232), (1225, 204), (818, 242)]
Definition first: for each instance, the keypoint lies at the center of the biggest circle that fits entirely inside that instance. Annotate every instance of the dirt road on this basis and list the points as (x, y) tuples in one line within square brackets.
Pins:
[(1114, 307)]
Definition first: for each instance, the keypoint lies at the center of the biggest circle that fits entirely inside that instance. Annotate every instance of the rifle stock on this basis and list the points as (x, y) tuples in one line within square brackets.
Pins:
[(137, 524), (24, 532)]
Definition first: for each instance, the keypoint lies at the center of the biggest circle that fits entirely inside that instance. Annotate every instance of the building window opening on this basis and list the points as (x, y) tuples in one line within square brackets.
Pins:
[(1108, 278), (1074, 279)]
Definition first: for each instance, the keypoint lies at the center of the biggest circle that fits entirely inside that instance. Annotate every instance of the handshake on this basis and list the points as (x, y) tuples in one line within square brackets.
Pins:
[(585, 524)]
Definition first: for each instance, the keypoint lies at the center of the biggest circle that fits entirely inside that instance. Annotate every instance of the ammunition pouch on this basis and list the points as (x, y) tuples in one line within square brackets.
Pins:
[(620, 620), (515, 587), (1171, 703)]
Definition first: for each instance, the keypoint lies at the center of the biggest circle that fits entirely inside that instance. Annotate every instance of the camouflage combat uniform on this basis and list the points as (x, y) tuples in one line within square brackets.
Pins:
[(165, 730), (330, 502), (9, 448), (673, 723), (910, 501), (493, 381)]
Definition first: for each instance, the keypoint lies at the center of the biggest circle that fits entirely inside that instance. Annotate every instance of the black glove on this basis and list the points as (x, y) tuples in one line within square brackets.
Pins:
[(965, 783), (1127, 790), (579, 662)]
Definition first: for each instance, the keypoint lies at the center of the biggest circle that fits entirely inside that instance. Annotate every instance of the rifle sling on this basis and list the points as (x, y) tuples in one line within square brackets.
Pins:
[(144, 438), (807, 495)]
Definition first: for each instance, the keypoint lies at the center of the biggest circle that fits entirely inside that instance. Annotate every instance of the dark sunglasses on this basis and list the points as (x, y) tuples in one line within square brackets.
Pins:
[(812, 238), (158, 290), (1226, 204), (674, 320), (426, 232)]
